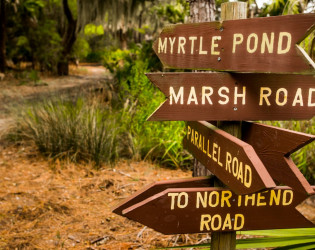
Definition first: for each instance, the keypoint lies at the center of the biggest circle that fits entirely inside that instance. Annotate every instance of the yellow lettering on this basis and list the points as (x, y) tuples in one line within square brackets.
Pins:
[(215, 45), (267, 43), (275, 198), (214, 218), (285, 96), (202, 200), (310, 94), (202, 52), (287, 197), (192, 39), (216, 195), (237, 40), (206, 94), (181, 44), (282, 50), (239, 218), (249, 39), (173, 195), (204, 222), (214, 152), (226, 195), (260, 199), (179, 96), (298, 98), (192, 96), (250, 197), (226, 97), (162, 45), (227, 222), (248, 176), (179, 199), (228, 162), (172, 43), (242, 95), (264, 96)]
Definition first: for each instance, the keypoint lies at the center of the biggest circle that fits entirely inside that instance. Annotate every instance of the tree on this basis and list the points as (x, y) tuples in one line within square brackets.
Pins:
[(3, 35)]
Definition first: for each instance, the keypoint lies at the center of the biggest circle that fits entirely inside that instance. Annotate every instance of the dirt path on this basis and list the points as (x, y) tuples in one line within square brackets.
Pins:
[(17, 92)]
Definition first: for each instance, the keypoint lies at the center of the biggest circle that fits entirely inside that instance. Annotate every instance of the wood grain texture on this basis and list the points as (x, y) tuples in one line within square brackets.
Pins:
[(250, 55), (180, 210), (160, 186), (288, 98), (227, 157), (273, 146)]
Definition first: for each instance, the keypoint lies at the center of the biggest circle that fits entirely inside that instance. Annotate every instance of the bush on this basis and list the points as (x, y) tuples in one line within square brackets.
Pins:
[(78, 131), (158, 141)]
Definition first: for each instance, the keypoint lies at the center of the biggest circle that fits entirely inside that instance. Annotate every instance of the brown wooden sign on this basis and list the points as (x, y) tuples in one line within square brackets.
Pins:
[(233, 161), (201, 210), (224, 96), (274, 146), (160, 186), (250, 45)]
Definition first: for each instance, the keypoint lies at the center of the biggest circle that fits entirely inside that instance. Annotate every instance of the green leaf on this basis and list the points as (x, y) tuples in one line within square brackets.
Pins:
[(282, 232)]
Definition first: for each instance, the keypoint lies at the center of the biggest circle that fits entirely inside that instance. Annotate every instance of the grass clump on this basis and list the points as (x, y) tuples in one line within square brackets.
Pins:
[(76, 130)]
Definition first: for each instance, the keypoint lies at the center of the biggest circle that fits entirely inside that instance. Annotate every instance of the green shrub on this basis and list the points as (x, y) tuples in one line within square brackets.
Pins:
[(76, 130), (158, 141)]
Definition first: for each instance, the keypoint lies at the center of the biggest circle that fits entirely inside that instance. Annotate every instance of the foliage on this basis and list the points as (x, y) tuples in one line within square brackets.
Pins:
[(298, 239), (75, 130), (149, 140)]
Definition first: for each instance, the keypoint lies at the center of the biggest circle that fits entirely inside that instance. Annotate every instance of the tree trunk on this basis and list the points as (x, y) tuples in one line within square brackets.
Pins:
[(68, 40), (2, 35), (201, 11)]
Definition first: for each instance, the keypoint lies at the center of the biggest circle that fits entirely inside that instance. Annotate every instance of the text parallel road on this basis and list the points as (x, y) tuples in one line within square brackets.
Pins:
[(250, 45), (224, 96), (233, 161)]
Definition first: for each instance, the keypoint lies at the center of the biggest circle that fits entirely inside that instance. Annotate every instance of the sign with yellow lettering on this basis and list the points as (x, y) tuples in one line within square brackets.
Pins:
[(230, 159), (160, 186), (267, 44), (206, 96), (209, 209)]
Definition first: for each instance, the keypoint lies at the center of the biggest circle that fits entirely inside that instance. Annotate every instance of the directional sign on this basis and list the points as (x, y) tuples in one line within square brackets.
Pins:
[(201, 210), (160, 186), (224, 96), (233, 161), (273, 146), (249, 45)]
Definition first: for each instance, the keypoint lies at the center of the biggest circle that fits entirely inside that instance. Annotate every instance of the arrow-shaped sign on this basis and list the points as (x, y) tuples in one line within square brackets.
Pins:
[(233, 161), (274, 146), (201, 210), (267, 44), (160, 186), (224, 96)]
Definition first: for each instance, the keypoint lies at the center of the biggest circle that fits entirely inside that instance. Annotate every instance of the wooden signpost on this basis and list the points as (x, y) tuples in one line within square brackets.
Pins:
[(160, 186), (274, 146), (233, 161), (248, 165), (223, 96), (267, 44), (210, 209)]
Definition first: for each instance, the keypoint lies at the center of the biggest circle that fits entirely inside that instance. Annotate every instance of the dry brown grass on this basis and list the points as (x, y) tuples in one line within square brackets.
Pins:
[(46, 205)]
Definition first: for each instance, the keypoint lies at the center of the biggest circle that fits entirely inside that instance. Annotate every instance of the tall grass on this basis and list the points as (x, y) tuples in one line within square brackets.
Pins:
[(77, 130)]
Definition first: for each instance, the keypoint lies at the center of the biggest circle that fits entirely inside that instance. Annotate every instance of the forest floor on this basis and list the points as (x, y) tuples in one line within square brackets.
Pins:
[(60, 205)]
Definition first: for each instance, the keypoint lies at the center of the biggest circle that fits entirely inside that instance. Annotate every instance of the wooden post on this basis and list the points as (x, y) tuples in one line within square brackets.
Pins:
[(227, 240)]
